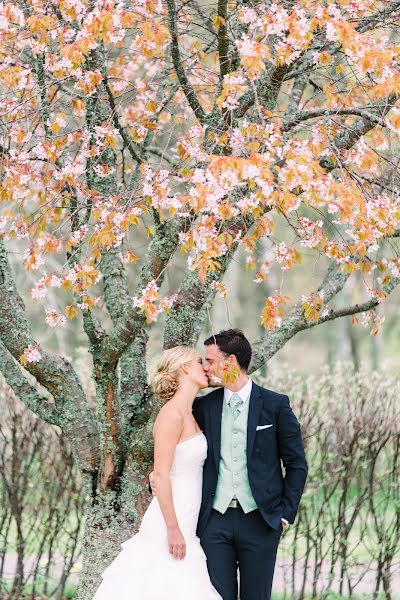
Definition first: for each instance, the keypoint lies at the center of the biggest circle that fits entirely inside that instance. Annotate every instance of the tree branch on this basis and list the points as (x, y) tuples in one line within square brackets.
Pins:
[(180, 71), (346, 311), (223, 40), (134, 390), (268, 86), (22, 388), (185, 319), (132, 322), (163, 154), (295, 321), (380, 15), (92, 328), (380, 184), (114, 283), (299, 117), (296, 94), (129, 143), (346, 140), (55, 373)]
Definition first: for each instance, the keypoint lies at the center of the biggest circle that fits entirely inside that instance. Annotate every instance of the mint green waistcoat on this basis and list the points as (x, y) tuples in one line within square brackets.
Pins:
[(233, 478)]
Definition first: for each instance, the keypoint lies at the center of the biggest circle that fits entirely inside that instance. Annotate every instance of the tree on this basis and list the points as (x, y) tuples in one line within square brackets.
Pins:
[(188, 127)]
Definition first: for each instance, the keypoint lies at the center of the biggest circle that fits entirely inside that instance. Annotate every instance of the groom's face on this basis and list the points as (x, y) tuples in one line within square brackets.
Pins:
[(215, 360)]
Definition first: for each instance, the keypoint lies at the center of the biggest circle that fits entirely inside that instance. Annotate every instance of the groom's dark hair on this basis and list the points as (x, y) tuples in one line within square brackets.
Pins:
[(232, 341)]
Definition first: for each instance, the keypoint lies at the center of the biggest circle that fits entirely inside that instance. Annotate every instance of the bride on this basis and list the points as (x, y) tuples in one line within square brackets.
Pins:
[(164, 560)]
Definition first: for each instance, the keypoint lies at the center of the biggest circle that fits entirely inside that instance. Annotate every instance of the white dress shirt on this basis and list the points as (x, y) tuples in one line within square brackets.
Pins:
[(244, 393)]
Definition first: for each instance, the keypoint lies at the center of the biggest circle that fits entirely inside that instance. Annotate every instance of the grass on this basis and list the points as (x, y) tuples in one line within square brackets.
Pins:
[(69, 591), (330, 596)]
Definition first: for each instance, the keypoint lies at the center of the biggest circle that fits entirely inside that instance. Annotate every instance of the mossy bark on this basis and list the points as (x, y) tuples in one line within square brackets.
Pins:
[(115, 515)]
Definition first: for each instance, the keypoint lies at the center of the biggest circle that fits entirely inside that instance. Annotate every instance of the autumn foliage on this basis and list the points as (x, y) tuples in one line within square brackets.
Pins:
[(235, 122)]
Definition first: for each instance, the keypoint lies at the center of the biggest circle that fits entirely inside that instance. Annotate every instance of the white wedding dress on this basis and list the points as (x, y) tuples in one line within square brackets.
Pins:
[(144, 569)]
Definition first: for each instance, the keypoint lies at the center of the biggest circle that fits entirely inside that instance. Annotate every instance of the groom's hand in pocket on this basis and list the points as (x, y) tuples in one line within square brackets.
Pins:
[(176, 543)]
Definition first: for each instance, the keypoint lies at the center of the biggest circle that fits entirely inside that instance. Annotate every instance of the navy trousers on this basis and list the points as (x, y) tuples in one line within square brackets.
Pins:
[(237, 540)]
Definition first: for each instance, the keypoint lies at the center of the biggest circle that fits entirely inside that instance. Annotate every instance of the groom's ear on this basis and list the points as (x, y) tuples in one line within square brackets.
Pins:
[(235, 361), (233, 358)]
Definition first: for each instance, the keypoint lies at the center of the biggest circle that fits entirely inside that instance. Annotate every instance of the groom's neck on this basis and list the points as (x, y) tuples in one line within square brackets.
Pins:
[(239, 382)]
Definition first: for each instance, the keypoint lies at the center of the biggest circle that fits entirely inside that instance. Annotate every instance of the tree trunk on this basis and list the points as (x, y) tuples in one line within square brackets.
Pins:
[(115, 516), (105, 530)]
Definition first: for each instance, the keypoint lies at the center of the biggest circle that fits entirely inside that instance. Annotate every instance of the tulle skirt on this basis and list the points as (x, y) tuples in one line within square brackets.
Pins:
[(144, 570)]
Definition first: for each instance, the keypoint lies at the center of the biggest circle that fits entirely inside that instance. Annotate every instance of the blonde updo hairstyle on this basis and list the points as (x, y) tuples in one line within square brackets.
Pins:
[(166, 379)]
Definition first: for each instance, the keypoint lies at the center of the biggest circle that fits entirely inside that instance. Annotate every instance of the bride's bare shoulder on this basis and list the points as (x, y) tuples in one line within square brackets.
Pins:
[(169, 417)]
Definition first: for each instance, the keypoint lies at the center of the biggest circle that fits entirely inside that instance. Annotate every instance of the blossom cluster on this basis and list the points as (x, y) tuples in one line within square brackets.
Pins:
[(272, 313), (31, 354), (151, 304), (99, 93), (54, 318)]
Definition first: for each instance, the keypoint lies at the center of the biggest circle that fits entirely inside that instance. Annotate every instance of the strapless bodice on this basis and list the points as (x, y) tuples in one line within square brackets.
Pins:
[(186, 476), (189, 457)]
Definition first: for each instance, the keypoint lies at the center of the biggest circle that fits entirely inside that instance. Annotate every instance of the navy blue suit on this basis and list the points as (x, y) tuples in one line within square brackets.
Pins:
[(250, 540)]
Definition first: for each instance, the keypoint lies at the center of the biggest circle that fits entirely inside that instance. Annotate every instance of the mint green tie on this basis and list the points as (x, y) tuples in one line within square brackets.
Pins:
[(235, 403)]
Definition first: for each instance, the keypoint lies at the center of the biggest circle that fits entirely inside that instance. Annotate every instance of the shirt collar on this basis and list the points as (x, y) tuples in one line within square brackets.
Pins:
[(244, 392)]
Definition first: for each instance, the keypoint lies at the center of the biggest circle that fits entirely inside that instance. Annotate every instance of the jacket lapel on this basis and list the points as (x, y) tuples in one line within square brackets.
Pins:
[(216, 418), (254, 417)]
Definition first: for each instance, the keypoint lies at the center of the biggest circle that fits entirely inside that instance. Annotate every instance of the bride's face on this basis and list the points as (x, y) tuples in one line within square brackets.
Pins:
[(195, 372)]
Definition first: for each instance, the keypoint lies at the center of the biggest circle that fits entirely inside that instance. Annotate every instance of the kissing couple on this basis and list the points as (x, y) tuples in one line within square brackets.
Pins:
[(221, 500)]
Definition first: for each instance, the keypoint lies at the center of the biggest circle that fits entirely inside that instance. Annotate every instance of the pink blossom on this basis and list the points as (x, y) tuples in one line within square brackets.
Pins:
[(54, 319), (32, 353), (33, 259)]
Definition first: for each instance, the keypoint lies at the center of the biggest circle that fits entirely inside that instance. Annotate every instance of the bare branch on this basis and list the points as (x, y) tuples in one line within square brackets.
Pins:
[(203, 16), (379, 16), (379, 183)]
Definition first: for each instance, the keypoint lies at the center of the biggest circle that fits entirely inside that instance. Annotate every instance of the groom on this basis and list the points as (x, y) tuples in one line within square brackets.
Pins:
[(246, 500)]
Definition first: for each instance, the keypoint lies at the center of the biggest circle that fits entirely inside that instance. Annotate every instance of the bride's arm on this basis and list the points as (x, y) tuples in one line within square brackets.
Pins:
[(167, 431)]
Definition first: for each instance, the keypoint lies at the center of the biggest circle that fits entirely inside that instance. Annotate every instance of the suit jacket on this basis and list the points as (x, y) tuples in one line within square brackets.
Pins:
[(276, 495)]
